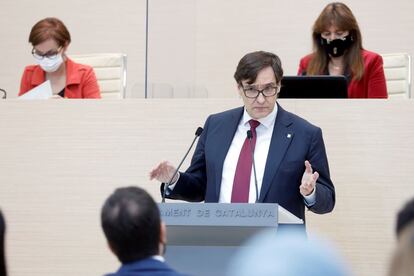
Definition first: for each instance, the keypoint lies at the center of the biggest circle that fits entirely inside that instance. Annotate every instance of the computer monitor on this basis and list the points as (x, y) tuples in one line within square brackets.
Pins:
[(319, 87)]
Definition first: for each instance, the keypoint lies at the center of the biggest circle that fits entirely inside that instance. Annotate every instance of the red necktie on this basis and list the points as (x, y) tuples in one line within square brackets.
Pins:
[(241, 183)]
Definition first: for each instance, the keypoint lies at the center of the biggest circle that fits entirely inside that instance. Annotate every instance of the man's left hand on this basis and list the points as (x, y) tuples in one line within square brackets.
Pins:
[(308, 180)]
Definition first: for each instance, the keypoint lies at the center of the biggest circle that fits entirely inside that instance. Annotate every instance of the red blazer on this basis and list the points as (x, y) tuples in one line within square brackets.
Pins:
[(80, 80), (371, 85)]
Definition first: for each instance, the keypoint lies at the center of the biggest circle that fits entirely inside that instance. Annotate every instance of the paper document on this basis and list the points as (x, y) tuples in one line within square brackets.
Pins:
[(286, 217), (41, 92)]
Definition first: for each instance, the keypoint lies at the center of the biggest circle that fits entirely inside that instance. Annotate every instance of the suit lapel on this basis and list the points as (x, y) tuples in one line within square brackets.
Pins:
[(282, 136), (225, 134)]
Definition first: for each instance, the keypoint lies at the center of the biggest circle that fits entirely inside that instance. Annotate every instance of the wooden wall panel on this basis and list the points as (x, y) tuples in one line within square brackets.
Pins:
[(59, 160)]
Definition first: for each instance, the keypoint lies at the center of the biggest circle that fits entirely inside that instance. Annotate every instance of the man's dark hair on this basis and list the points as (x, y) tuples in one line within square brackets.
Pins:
[(252, 63), (3, 271), (405, 216), (131, 222)]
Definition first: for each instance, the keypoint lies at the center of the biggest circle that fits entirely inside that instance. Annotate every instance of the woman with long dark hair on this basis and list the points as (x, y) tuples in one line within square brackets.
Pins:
[(337, 45)]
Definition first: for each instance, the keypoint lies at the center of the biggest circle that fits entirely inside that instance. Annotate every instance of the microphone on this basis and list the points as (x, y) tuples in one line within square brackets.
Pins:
[(197, 134), (250, 136)]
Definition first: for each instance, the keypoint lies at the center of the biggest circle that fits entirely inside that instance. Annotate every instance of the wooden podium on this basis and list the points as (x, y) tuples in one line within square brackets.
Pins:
[(202, 237)]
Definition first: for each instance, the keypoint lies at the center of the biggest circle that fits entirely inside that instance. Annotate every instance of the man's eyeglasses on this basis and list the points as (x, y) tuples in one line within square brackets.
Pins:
[(50, 54), (268, 91)]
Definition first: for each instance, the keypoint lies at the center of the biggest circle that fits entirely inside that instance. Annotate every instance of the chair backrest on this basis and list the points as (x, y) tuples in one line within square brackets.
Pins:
[(110, 70), (397, 69)]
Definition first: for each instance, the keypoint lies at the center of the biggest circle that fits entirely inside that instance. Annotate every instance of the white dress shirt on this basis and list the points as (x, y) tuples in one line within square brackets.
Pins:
[(264, 136)]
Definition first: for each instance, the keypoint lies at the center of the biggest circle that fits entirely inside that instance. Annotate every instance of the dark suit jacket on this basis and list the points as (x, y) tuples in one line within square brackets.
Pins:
[(284, 165), (149, 266)]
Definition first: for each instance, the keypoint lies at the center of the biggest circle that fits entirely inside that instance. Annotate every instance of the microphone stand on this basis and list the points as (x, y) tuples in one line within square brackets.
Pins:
[(164, 192)]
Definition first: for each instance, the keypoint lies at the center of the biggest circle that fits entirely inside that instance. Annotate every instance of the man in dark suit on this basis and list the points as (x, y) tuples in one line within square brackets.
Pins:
[(132, 225), (289, 153)]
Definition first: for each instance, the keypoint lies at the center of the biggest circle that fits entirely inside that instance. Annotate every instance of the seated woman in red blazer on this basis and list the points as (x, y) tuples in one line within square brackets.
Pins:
[(50, 39), (338, 50)]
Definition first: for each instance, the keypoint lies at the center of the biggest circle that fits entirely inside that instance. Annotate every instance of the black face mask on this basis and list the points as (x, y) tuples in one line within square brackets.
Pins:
[(336, 47)]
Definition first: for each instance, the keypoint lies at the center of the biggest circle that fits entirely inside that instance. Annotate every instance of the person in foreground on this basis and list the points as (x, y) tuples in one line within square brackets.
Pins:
[(337, 44), (405, 221), (287, 253), (50, 40), (132, 225), (290, 159), (402, 261), (3, 270)]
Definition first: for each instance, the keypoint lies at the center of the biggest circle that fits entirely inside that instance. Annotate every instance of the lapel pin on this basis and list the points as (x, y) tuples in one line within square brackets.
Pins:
[(289, 135)]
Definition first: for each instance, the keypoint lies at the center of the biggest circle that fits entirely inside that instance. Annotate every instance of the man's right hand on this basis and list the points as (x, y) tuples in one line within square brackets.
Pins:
[(163, 172)]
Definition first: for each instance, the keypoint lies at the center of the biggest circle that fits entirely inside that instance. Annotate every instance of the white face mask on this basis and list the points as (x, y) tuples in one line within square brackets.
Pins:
[(50, 64)]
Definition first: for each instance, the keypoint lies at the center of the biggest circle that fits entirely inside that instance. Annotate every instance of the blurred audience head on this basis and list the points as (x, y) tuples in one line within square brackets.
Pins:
[(3, 271), (286, 253), (132, 225), (405, 220)]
